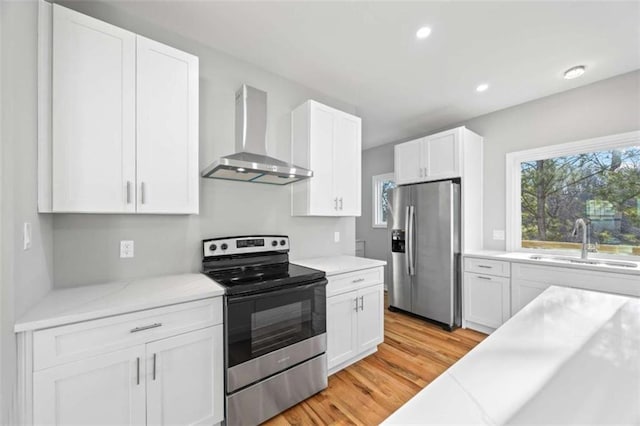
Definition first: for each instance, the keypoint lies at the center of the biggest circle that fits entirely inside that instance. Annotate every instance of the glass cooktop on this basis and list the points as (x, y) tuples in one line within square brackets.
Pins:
[(255, 279)]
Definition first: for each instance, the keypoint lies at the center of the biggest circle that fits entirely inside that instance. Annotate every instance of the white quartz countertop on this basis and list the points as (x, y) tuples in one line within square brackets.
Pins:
[(524, 257), (76, 304), (569, 357), (333, 265)]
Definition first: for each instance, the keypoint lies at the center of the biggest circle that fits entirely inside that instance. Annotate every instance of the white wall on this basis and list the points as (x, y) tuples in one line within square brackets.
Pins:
[(86, 247), (26, 275), (607, 107)]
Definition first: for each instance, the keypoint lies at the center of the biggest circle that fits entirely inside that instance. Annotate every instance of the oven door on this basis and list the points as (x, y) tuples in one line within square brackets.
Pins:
[(272, 330)]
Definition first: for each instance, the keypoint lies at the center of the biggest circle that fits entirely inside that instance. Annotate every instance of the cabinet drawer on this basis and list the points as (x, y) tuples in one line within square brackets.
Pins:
[(343, 283), (59, 345), (487, 266)]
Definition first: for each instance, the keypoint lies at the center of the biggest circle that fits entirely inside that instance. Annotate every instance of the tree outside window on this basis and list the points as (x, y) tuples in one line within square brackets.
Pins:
[(382, 186), (602, 187)]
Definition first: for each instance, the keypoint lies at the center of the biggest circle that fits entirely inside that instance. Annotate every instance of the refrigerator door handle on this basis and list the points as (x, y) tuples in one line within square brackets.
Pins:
[(411, 216)]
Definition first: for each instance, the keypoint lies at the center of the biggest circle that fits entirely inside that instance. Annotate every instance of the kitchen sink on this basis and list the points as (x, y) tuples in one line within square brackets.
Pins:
[(577, 260)]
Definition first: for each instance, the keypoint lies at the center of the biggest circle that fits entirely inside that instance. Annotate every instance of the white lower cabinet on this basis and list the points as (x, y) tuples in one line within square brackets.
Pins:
[(164, 377), (486, 299), (486, 295), (105, 389), (355, 319), (184, 379)]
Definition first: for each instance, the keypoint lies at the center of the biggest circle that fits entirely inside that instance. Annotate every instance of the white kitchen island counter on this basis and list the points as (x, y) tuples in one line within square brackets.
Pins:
[(569, 357), (333, 265), (65, 306)]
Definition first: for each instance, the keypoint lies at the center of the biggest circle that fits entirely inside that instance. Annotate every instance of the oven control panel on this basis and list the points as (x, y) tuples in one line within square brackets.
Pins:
[(246, 244)]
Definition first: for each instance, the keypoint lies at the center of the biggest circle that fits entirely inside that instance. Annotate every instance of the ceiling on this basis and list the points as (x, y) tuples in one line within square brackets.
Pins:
[(367, 54)]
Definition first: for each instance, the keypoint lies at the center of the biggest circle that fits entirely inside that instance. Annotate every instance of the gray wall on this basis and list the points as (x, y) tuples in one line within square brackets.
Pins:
[(86, 247), (607, 107), (26, 275)]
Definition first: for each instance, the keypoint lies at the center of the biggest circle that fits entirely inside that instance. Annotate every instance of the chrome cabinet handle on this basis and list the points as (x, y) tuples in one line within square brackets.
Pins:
[(154, 366), (485, 266), (138, 371), (359, 280), (356, 300), (145, 327), (483, 278), (143, 193), (128, 192), (341, 204), (362, 303), (335, 203)]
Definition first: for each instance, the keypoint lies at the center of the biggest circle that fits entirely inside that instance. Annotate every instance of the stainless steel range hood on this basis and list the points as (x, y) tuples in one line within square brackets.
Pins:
[(251, 163)]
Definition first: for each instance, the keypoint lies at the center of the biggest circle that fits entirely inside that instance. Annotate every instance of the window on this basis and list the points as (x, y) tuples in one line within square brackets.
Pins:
[(596, 180), (382, 186)]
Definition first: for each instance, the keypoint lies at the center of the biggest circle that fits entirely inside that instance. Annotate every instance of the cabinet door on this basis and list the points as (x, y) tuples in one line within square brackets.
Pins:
[(441, 155), (93, 115), (407, 164), (370, 317), (322, 200), (342, 338), (103, 390), (347, 164), (167, 129), (523, 292), (486, 299), (184, 379)]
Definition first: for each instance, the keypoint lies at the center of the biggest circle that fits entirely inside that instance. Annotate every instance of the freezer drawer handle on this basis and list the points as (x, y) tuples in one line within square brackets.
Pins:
[(359, 280), (145, 327)]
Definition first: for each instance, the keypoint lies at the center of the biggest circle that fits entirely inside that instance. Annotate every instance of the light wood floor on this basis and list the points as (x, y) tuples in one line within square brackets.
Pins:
[(413, 354)]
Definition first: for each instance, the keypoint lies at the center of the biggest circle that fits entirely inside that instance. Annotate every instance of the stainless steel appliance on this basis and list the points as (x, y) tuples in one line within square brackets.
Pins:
[(274, 322), (251, 163), (424, 229)]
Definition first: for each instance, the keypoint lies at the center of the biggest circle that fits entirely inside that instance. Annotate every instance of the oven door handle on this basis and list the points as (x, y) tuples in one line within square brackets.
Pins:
[(240, 298)]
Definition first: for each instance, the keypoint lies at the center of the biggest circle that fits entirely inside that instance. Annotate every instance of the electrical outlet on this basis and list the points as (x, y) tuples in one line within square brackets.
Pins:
[(498, 234), (126, 249), (26, 236), (336, 236)]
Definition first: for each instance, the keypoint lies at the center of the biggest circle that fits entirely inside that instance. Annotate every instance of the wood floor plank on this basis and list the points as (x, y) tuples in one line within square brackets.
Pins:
[(413, 354)]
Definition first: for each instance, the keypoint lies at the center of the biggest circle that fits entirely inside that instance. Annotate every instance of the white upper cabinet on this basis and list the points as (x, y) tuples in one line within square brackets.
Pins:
[(123, 136), (328, 142), (430, 158), (167, 126), (93, 113), (407, 161)]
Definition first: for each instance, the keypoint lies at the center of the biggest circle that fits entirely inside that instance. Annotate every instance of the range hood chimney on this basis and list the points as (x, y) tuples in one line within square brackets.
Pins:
[(251, 163)]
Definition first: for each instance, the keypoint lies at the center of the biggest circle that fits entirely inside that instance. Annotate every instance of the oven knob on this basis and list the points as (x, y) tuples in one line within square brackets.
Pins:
[(274, 243), (213, 247), (282, 242), (224, 246)]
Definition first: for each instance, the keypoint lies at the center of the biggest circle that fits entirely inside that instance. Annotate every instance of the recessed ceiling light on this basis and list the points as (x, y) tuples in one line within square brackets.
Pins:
[(574, 72), (482, 87), (423, 33), (240, 169)]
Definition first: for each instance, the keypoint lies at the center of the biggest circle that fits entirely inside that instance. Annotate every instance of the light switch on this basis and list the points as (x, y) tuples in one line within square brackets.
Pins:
[(336, 236), (126, 249), (498, 234), (26, 236)]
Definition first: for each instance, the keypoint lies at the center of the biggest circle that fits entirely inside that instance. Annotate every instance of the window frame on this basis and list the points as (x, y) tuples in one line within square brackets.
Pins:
[(376, 184), (513, 184)]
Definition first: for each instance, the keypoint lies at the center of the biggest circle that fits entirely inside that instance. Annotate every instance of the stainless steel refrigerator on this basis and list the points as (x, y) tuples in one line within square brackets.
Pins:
[(424, 231)]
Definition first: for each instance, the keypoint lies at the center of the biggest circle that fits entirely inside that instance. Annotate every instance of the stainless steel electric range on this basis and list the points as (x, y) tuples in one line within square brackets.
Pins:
[(275, 325)]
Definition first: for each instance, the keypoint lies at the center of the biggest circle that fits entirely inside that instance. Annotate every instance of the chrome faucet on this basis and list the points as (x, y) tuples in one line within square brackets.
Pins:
[(585, 243)]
